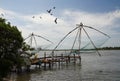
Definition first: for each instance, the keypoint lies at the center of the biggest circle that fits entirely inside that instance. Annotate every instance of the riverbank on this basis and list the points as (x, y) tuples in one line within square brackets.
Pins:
[(102, 48)]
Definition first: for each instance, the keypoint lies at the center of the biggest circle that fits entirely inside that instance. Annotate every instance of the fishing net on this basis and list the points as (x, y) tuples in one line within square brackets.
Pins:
[(82, 38)]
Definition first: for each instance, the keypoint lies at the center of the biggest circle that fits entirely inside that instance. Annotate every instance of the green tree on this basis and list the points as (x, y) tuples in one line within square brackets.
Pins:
[(25, 46), (10, 43)]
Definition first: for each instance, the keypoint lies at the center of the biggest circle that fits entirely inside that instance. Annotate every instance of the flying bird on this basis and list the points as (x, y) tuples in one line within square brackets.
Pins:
[(33, 17), (49, 11), (55, 21), (54, 7), (40, 17), (51, 14), (2, 14)]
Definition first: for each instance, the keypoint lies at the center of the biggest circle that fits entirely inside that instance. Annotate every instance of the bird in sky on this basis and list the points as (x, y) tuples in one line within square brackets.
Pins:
[(2, 14), (33, 17), (55, 20), (49, 11), (40, 17), (54, 7), (51, 14)]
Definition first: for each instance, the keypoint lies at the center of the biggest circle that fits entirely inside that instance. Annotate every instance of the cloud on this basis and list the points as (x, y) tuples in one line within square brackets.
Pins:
[(67, 20), (106, 22), (103, 21), (93, 19)]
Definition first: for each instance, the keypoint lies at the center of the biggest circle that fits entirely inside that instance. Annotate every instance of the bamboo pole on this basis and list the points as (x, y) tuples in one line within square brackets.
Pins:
[(44, 60)]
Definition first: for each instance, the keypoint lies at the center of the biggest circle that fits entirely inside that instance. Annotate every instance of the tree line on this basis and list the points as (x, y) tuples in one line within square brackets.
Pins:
[(109, 48)]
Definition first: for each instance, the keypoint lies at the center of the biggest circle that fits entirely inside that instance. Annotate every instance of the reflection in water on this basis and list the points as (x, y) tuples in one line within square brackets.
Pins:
[(24, 77), (93, 68)]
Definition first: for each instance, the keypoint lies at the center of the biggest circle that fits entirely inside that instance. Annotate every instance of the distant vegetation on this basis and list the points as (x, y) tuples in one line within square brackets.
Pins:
[(102, 48), (109, 48)]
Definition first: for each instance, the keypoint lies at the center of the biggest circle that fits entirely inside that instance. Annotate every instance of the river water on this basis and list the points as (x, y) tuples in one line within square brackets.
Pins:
[(92, 68)]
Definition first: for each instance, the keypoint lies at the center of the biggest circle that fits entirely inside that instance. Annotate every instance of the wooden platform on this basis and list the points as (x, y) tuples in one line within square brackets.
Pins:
[(55, 59)]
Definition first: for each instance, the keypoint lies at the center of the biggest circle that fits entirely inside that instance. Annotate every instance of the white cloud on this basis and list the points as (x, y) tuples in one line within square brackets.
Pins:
[(103, 21), (95, 19), (66, 22)]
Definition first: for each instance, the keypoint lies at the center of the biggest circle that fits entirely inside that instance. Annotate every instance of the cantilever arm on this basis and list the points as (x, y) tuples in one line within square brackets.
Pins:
[(75, 40), (64, 38), (27, 37), (97, 30), (44, 38), (92, 42)]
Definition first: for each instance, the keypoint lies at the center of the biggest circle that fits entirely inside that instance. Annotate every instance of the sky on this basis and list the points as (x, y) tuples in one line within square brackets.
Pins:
[(103, 15)]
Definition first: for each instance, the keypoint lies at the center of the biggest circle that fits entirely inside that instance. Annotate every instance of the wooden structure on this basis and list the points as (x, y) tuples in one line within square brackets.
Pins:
[(48, 60), (51, 59)]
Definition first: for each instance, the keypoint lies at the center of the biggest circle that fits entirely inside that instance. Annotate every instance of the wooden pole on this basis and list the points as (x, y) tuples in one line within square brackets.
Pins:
[(80, 59), (66, 59), (44, 60), (52, 59), (59, 63), (69, 58), (62, 58), (49, 64), (74, 59)]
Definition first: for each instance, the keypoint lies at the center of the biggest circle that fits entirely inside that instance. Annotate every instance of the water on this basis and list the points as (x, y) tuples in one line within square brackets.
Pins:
[(93, 68)]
